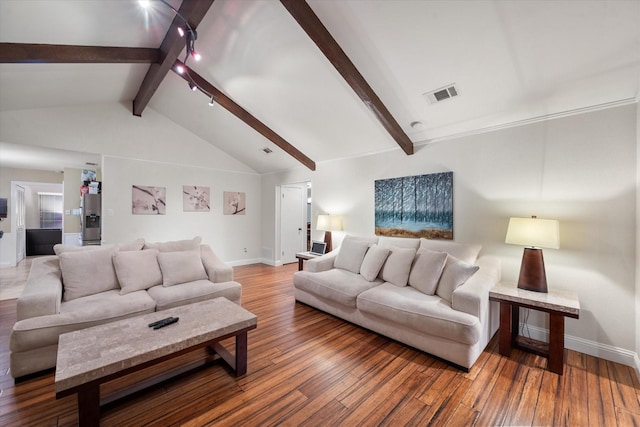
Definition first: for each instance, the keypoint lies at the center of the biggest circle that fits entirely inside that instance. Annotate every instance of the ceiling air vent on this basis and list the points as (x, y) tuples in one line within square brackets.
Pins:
[(441, 94), (267, 150)]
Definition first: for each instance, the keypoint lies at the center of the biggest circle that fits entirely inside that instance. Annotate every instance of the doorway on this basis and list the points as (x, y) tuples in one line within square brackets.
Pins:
[(293, 221)]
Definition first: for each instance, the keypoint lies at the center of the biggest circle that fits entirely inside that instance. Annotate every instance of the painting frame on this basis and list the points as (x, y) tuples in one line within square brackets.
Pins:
[(148, 200), (196, 198), (234, 203), (415, 206)]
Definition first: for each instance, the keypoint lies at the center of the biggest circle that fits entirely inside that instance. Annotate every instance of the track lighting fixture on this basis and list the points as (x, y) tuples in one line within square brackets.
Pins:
[(212, 102), (190, 33), (193, 86)]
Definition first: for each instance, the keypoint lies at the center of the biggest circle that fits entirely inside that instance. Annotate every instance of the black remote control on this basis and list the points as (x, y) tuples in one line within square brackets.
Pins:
[(167, 322), (151, 325)]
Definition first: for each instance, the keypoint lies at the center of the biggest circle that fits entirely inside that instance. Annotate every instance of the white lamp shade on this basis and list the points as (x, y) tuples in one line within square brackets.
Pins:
[(534, 232), (329, 223)]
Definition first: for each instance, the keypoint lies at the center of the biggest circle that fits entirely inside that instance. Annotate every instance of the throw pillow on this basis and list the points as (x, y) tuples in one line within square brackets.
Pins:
[(426, 270), (175, 246), (87, 272), (181, 267), (351, 254), (137, 270), (455, 273), (373, 261), (398, 265)]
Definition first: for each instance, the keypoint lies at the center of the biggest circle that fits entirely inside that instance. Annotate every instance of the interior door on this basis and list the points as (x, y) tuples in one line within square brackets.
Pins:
[(19, 211), (292, 222)]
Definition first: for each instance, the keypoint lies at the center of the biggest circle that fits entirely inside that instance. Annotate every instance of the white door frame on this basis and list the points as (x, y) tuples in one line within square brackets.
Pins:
[(279, 232)]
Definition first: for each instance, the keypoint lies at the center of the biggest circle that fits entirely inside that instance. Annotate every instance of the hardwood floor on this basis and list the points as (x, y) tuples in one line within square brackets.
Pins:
[(309, 368)]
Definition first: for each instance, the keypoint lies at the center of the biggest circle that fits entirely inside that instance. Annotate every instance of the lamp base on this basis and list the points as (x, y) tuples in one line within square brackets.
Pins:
[(327, 240), (532, 274)]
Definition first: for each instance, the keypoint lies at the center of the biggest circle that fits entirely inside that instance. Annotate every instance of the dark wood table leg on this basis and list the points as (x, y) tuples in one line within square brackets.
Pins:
[(241, 354), (556, 343), (89, 405), (515, 323), (300, 264), (504, 339)]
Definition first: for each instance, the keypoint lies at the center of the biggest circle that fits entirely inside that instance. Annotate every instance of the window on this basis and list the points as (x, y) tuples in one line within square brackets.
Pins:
[(50, 210)]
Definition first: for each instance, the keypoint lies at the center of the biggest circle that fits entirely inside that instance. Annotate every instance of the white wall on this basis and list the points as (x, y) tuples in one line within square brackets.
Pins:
[(228, 235), (580, 170), (637, 357), (149, 150), (111, 129)]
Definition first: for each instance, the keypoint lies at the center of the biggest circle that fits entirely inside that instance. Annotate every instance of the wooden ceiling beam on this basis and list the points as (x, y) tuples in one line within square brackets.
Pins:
[(172, 45), (230, 105), (27, 53), (314, 28)]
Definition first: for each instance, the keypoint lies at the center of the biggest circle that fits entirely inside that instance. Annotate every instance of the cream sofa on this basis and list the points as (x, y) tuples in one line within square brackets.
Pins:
[(430, 294), (87, 286)]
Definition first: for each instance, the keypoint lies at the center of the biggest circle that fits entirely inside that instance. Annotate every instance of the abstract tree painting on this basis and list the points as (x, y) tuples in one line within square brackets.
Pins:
[(415, 206)]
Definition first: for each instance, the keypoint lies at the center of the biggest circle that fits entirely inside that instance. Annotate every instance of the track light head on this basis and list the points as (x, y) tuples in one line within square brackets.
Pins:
[(181, 31), (196, 55), (179, 69), (211, 102), (193, 86)]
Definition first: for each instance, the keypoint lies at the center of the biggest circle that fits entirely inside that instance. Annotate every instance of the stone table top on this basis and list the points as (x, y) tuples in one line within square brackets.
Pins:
[(99, 351), (565, 302)]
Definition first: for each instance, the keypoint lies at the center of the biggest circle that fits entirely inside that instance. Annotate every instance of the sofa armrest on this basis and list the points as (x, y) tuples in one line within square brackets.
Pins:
[(216, 269), (473, 296), (322, 263), (42, 292)]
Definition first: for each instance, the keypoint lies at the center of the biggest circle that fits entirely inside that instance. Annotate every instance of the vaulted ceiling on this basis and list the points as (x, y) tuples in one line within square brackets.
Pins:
[(312, 96)]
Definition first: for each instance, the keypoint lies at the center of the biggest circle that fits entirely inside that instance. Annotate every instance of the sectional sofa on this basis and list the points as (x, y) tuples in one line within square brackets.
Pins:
[(430, 294), (80, 287)]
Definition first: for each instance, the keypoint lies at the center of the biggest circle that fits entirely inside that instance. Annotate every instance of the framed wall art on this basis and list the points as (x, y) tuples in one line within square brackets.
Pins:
[(234, 203), (196, 199), (148, 200), (415, 206)]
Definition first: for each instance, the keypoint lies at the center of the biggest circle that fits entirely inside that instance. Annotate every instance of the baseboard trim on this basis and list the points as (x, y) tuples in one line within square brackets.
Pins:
[(240, 262), (272, 263), (592, 348)]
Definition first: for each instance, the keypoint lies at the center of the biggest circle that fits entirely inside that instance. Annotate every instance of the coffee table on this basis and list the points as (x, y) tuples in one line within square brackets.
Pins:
[(92, 356)]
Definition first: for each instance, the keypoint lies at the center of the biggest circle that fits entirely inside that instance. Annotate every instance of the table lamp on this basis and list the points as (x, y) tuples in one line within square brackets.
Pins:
[(535, 234), (329, 223)]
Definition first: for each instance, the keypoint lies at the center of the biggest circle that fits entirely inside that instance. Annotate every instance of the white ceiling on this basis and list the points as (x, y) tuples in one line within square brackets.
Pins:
[(513, 61)]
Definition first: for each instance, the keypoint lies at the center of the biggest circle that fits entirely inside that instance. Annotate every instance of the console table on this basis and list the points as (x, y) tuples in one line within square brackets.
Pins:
[(559, 304)]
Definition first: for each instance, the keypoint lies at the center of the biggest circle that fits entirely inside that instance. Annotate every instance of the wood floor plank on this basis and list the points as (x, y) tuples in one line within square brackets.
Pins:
[(308, 368)]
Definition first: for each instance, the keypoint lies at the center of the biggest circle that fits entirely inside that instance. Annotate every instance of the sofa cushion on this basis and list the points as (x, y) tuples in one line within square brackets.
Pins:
[(180, 267), (409, 308), (136, 245), (337, 285), (351, 253), (466, 252), (190, 292), (398, 265), (59, 248), (373, 261), (455, 273), (80, 313), (87, 272), (398, 242), (176, 246), (426, 270), (137, 270)]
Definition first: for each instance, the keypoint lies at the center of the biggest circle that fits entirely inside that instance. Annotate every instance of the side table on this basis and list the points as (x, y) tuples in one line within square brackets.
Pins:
[(559, 304), (304, 256)]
